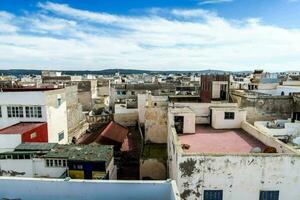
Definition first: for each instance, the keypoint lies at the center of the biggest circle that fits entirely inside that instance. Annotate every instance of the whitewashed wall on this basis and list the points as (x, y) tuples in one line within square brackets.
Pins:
[(218, 120), (8, 142), (57, 117), (202, 110), (31, 168), (21, 99), (240, 177)]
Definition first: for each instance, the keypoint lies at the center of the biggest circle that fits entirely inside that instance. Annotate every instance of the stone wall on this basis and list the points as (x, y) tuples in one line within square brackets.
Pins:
[(264, 108), (156, 120)]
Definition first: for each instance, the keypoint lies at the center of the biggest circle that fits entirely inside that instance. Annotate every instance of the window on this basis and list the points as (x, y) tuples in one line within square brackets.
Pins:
[(50, 163), (213, 195), (229, 115), (121, 92), (58, 102), (64, 163), (15, 156), (33, 135), (15, 111), (33, 111), (269, 195), (0, 112), (132, 92), (56, 163), (61, 136)]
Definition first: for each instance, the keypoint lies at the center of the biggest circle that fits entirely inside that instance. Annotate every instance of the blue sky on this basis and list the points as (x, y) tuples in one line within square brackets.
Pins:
[(150, 34)]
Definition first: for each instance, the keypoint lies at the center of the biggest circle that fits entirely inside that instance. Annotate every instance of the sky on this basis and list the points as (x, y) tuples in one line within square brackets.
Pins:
[(232, 35)]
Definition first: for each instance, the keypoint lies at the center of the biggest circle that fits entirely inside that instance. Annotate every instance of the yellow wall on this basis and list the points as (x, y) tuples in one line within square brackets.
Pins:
[(98, 174), (76, 174)]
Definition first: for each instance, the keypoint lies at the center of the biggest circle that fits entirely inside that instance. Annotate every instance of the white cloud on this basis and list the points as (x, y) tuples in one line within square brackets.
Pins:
[(5, 25), (203, 2), (61, 37)]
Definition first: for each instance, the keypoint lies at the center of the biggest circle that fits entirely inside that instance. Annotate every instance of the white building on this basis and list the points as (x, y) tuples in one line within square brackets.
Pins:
[(232, 161), (59, 161), (58, 107)]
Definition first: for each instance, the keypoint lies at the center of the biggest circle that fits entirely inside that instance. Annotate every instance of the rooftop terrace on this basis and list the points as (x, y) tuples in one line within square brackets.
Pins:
[(209, 140)]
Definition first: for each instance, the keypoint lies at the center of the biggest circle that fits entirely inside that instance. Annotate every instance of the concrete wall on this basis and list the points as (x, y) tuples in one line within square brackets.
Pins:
[(85, 99), (57, 116), (126, 117), (153, 168), (216, 88), (49, 189), (202, 110), (188, 122), (240, 176), (267, 139), (156, 120), (264, 108), (219, 122), (291, 83), (267, 86), (292, 129), (142, 107), (29, 168), (76, 119), (103, 91)]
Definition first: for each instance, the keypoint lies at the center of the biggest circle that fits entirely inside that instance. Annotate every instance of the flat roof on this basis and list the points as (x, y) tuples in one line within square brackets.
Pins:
[(52, 189), (27, 89), (21, 127), (209, 140)]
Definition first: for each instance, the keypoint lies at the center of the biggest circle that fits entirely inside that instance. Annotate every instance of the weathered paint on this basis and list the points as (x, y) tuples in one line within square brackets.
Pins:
[(240, 176)]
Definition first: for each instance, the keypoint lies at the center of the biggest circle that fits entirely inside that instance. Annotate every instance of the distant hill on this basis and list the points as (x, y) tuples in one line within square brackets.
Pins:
[(20, 72)]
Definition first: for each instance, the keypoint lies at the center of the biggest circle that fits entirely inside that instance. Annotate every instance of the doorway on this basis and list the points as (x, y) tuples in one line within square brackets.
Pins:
[(178, 121)]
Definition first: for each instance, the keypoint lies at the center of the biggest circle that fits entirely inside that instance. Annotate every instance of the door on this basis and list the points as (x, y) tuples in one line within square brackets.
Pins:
[(178, 122)]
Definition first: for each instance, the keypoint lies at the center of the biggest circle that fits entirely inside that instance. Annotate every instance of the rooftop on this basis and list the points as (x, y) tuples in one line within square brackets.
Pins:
[(21, 128), (52, 189), (89, 152), (26, 89), (115, 132), (209, 140), (36, 146), (277, 92)]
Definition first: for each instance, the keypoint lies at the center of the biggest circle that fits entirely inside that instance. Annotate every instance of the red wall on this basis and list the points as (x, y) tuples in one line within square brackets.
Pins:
[(41, 134)]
